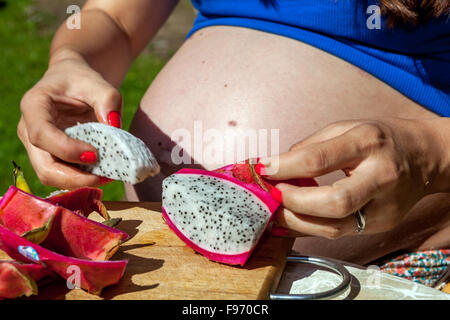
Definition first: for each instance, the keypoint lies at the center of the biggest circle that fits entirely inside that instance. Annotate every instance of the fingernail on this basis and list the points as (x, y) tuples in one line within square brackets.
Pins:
[(279, 231), (264, 161), (270, 165), (88, 156), (114, 119), (104, 180), (260, 169), (276, 194)]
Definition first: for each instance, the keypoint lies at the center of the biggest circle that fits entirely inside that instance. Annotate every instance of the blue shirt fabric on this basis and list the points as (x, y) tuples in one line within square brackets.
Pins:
[(413, 60)]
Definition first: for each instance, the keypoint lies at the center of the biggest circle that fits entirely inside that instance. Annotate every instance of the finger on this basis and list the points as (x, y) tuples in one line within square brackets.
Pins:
[(379, 215), (43, 134), (338, 200), (53, 173), (315, 226), (315, 159), (64, 176), (105, 99)]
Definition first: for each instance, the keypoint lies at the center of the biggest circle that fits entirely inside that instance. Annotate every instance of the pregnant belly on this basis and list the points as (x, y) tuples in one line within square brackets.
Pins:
[(229, 79)]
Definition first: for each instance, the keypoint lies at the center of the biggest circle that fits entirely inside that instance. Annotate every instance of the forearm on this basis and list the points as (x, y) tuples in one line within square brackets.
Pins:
[(112, 34), (99, 42)]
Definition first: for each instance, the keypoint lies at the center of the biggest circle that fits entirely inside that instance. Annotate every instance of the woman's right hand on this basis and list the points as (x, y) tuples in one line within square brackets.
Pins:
[(69, 92)]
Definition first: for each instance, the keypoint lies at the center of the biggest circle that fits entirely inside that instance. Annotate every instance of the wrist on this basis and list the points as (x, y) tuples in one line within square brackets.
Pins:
[(64, 53)]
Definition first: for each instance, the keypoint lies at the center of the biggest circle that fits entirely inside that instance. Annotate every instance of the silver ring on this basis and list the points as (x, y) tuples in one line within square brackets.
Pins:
[(336, 267), (360, 221)]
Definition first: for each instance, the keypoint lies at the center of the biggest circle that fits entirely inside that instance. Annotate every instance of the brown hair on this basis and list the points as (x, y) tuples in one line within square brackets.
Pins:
[(413, 11)]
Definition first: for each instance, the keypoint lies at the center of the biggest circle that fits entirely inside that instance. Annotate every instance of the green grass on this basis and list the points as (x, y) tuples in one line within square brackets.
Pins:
[(24, 43)]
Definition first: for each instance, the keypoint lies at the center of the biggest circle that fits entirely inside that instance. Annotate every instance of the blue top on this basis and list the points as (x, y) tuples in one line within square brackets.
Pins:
[(414, 61)]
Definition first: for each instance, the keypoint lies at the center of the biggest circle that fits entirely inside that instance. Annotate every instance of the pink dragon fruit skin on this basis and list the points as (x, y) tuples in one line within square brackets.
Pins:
[(71, 234), (14, 283), (18, 279), (83, 200), (18, 220), (94, 275), (228, 174)]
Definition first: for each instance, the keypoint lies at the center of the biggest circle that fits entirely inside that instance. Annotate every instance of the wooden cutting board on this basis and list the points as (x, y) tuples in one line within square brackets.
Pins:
[(160, 266)]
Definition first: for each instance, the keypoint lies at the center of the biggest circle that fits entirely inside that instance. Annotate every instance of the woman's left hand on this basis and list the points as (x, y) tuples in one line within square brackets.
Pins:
[(390, 165)]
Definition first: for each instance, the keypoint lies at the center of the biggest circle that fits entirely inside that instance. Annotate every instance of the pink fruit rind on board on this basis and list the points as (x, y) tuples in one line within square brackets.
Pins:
[(71, 234), (83, 200), (17, 279), (18, 219), (34, 270), (14, 283), (94, 275)]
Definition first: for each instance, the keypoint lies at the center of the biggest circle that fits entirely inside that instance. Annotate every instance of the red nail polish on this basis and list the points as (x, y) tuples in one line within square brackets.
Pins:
[(276, 194), (260, 169), (279, 231), (88, 156), (114, 119), (104, 180)]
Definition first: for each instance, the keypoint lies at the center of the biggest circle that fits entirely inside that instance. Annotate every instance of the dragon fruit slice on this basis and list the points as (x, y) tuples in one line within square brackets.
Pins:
[(94, 275), (33, 270), (14, 283), (83, 200), (71, 234), (17, 279), (216, 214), (221, 214), (121, 156)]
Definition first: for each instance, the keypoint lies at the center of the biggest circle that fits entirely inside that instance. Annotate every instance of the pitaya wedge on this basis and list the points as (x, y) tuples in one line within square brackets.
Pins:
[(93, 275), (18, 279), (121, 156), (70, 234), (83, 200), (221, 214), (14, 284)]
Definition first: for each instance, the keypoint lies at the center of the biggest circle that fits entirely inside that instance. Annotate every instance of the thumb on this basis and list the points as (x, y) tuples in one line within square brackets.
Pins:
[(314, 160), (108, 107), (105, 99)]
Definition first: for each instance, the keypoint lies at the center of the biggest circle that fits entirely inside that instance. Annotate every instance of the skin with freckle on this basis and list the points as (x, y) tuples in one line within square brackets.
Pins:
[(273, 82)]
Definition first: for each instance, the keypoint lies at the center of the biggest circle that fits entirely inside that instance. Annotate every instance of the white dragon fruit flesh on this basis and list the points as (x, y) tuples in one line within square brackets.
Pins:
[(121, 156), (217, 214)]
